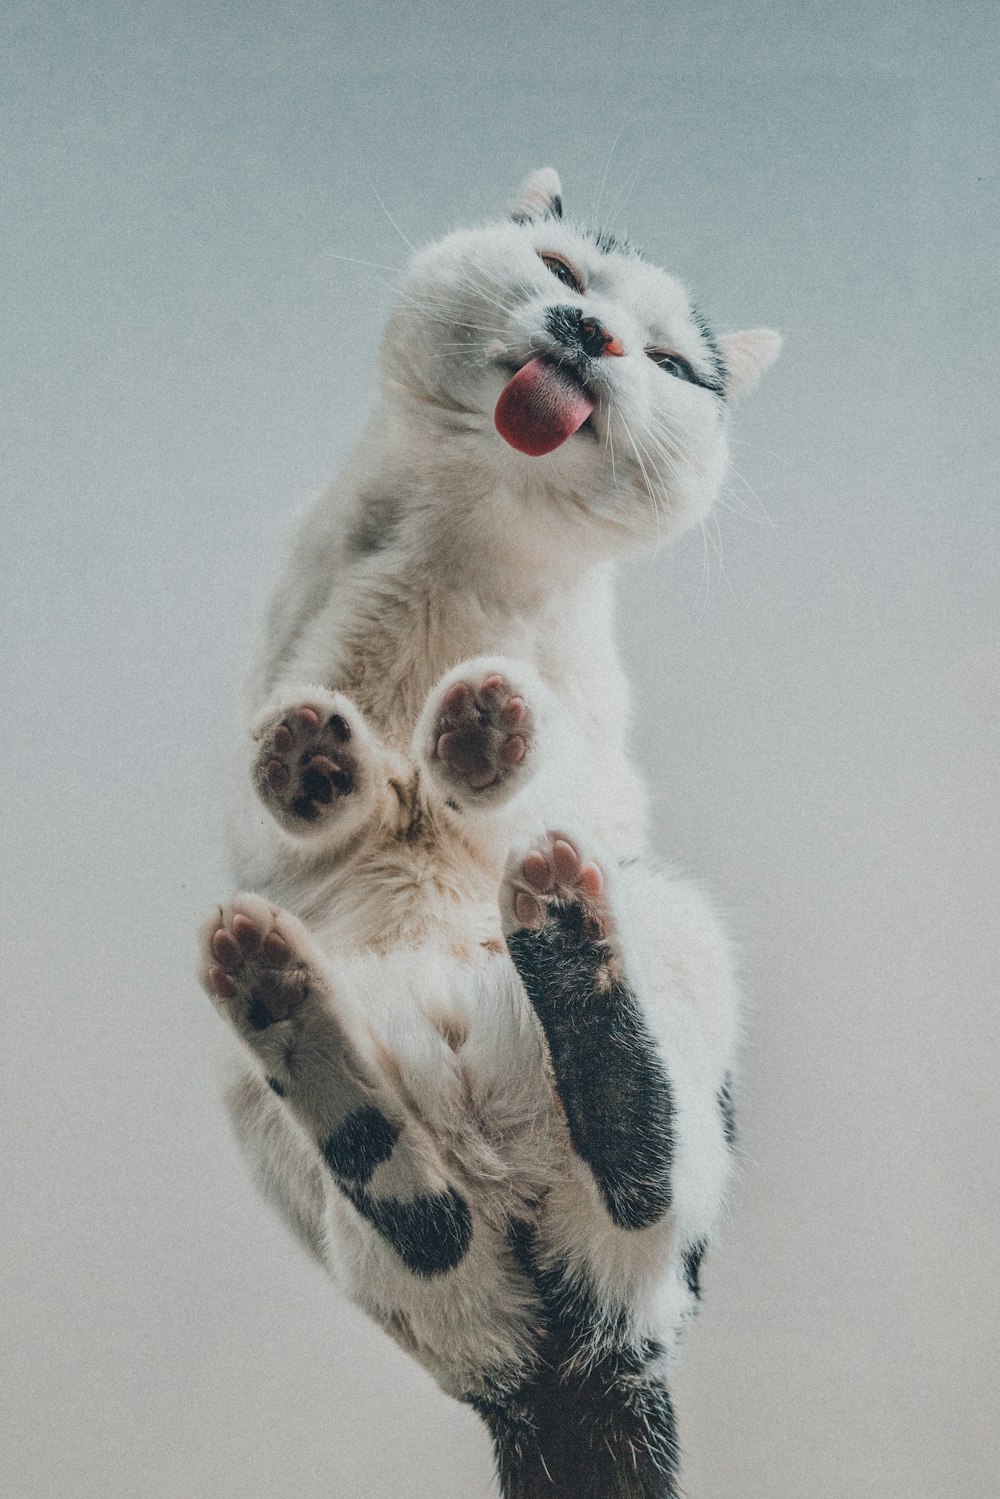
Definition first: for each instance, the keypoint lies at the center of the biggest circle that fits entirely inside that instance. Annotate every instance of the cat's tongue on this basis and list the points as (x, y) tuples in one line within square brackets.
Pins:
[(540, 407)]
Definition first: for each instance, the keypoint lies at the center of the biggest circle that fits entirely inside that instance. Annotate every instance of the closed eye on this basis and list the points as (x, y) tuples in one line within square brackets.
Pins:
[(563, 270)]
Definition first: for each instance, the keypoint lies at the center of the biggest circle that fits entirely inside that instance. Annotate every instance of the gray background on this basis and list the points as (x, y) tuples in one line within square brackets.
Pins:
[(818, 687)]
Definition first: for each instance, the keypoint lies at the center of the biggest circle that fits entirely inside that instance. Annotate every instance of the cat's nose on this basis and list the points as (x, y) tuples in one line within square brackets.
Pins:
[(585, 333), (597, 340)]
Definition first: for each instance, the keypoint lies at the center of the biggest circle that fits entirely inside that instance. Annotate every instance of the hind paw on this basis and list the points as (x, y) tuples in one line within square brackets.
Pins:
[(552, 878), (255, 965)]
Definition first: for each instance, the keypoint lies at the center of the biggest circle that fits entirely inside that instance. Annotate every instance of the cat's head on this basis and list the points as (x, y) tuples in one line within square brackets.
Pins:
[(572, 367)]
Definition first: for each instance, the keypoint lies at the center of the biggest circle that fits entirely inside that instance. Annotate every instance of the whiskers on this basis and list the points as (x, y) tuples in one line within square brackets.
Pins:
[(711, 537), (407, 242), (659, 468), (742, 499), (434, 313), (474, 303), (713, 562), (638, 449)]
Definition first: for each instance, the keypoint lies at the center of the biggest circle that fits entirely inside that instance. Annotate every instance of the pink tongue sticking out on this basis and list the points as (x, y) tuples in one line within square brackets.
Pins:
[(540, 407)]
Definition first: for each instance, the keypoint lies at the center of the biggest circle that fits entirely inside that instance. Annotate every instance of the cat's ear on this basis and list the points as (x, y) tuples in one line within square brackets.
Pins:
[(538, 197), (746, 357)]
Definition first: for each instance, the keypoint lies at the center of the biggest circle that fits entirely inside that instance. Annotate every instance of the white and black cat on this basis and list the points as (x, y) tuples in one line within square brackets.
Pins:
[(487, 1037)]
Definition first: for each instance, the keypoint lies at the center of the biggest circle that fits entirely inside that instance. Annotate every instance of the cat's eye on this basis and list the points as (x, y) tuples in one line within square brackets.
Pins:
[(562, 270), (674, 365)]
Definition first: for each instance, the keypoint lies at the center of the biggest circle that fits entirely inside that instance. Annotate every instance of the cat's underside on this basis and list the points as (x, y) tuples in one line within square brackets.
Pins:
[(489, 1039)]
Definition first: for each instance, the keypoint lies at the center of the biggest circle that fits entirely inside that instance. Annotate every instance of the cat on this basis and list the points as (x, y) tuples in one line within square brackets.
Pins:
[(487, 1038)]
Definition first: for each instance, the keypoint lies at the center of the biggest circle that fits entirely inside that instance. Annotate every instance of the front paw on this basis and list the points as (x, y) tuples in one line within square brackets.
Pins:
[(310, 769), (479, 735)]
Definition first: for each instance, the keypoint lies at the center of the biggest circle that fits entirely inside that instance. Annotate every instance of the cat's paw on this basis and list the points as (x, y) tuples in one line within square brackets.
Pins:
[(311, 766), (479, 735), (257, 966), (551, 881)]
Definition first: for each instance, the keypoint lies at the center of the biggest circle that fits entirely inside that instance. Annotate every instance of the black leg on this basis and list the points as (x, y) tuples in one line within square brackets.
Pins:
[(610, 1078), (594, 1420)]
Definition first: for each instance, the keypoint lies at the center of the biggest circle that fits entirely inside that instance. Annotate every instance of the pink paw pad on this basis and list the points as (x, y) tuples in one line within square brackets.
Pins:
[(306, 765), (556, 872), (250, 962), (482, 732)]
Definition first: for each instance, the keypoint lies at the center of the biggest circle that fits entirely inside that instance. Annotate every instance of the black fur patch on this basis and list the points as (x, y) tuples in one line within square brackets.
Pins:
[(360, 1142), (693, 1256), (593, 1420), (569, 1302), (611, 1081), (430, 1233), (376, 527), (551, 209), (608, 243), (718, 384), (725, 1099), (582, 337), (600, 1434), (276, 1087)]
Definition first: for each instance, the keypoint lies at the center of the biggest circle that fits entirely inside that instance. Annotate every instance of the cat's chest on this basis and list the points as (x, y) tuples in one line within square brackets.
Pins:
[(389, 658), (388, 666)]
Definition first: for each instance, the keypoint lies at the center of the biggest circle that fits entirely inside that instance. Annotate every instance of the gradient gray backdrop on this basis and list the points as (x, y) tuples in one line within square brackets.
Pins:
[(818, 686)]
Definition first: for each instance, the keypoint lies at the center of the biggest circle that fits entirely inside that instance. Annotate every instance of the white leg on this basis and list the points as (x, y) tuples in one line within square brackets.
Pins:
[(268, 978)]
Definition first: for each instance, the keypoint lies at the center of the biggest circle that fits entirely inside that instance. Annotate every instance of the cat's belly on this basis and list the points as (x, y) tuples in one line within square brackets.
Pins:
[(469, 1058), (470, 1066)]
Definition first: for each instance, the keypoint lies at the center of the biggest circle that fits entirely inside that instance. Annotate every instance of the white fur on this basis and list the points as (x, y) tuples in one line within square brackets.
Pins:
[(439, 545)]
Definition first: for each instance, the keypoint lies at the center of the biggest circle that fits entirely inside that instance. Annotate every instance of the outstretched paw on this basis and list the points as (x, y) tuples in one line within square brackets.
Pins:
[(481, 736), (253, 965), (550, 880), (308, 767)]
